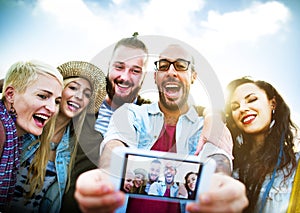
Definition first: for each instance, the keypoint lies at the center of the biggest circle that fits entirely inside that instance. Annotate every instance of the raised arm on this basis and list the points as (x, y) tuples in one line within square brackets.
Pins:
[(94, 191)]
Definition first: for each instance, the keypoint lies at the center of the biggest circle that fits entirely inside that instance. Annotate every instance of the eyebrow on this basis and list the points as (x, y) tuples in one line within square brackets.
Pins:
[(81, 85), (46, 91), (121, 62)]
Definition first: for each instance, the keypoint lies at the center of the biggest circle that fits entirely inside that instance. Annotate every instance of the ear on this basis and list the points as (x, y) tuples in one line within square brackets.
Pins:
[(9, 94), (273, 103), (194, 76)]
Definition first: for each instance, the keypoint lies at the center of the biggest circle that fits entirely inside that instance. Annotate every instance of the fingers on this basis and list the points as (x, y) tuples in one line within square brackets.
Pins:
[(215, 131), (104, 203), (95, 193), (201, 142), (228, 195), (91, 183)]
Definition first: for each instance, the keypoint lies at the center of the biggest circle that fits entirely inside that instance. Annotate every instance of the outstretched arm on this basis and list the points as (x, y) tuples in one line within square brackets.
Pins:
[(94, 191), (215, 131)]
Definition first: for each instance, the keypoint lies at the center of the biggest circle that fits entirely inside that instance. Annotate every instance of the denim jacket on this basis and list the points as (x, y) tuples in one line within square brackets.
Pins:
[(53, 197), (279, 195), (140, 127)]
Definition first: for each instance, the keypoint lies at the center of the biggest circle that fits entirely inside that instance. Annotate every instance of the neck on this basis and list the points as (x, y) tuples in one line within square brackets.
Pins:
[(258, 141), (169, 185), (61, 124), (172, 116), (113, 104)]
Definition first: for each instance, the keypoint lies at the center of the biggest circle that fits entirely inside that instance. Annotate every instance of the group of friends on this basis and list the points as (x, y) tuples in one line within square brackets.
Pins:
[(139, 181), (60, 125)]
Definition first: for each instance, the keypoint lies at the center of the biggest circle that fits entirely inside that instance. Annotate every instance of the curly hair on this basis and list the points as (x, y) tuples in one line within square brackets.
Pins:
[(252, 169)]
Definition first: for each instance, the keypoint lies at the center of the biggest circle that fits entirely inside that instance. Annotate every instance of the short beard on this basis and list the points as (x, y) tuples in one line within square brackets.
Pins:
[(119, 101), (172, 107)]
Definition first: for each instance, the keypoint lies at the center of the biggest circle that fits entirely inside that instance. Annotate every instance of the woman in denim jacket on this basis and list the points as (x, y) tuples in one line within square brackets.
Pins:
[(46, 163), (265, 156)]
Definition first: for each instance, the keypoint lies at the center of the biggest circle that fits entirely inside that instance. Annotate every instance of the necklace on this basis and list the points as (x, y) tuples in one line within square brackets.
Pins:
[(53, 146)]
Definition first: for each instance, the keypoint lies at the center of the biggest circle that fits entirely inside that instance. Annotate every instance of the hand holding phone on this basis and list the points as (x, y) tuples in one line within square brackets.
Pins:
[(160, 175)]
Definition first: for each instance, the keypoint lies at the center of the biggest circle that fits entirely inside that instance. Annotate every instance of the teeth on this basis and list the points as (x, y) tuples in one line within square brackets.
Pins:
[(42, 116), (123, 85), (171, 86), (74, 105), (248, 118)]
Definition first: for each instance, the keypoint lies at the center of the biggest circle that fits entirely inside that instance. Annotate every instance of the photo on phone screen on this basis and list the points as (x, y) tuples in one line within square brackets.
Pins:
[(160, 177)]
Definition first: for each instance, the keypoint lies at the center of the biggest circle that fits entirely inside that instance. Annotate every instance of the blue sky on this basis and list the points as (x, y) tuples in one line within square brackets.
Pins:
[(237, 37)]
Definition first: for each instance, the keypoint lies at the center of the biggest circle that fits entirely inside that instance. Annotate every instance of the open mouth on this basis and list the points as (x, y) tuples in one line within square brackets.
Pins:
[(73, 105), (127, 188), (169, 176), (40, 119), (122, 85), (248, 119), (172, 90)]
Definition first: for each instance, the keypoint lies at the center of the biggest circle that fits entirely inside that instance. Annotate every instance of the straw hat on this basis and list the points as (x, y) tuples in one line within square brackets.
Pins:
[(140, 171), (90, 72)]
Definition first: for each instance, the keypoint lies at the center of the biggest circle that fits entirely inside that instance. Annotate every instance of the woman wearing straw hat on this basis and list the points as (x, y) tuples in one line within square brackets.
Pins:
[(47, 162)]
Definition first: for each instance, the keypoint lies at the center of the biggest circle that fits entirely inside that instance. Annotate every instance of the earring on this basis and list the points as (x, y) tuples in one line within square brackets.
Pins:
[(273, 120), (240, 139), (13, 112)]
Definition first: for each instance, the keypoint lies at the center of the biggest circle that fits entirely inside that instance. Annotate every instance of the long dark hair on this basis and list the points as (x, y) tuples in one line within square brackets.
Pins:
[(191, 194), (253, 169)]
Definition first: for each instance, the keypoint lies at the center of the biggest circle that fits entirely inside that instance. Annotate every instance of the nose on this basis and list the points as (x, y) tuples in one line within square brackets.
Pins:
[(172, 70), (243, 107), (125, 75), (52, 107), (78, 94)]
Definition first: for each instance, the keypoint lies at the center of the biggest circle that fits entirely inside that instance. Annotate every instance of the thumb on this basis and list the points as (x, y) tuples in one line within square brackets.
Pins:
[(201, 142)]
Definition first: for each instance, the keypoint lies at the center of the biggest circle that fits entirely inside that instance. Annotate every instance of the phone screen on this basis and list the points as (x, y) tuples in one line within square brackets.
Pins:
[(160, 177)]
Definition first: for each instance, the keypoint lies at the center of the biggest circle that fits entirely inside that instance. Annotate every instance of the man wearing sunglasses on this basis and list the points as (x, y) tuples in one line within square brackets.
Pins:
[(170, 125)]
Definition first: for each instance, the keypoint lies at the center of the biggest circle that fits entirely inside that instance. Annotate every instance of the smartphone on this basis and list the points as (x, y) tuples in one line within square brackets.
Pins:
[(146, 174)]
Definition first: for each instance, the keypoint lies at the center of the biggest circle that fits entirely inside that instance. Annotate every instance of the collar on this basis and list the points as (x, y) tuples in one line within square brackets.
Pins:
[(191, 114)]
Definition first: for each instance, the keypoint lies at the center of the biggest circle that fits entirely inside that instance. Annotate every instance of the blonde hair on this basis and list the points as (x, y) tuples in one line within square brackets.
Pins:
[(23, 74), (77, 124), (37, 169)]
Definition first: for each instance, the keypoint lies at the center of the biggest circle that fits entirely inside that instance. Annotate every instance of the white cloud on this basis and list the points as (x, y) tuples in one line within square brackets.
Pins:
[(81, 33), (251, 24), (171, 18)]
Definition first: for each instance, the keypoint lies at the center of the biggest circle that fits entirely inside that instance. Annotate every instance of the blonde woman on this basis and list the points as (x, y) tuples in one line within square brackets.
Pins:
[(31, 95), (47, 163)]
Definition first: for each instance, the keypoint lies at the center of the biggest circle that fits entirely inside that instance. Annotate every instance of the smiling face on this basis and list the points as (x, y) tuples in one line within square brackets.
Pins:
[(251, 109), (138, 180), (191, 181), (169, 172), (174, 86), (37, 104), (128, 182), (154, 171), (75, 97), (125, 75)]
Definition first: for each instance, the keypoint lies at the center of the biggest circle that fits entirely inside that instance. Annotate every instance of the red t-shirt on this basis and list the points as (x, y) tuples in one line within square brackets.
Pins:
[(167, 143)]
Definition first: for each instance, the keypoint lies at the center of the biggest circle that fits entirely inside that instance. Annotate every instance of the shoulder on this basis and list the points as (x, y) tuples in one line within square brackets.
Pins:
[(141, 101), (134, 108)]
